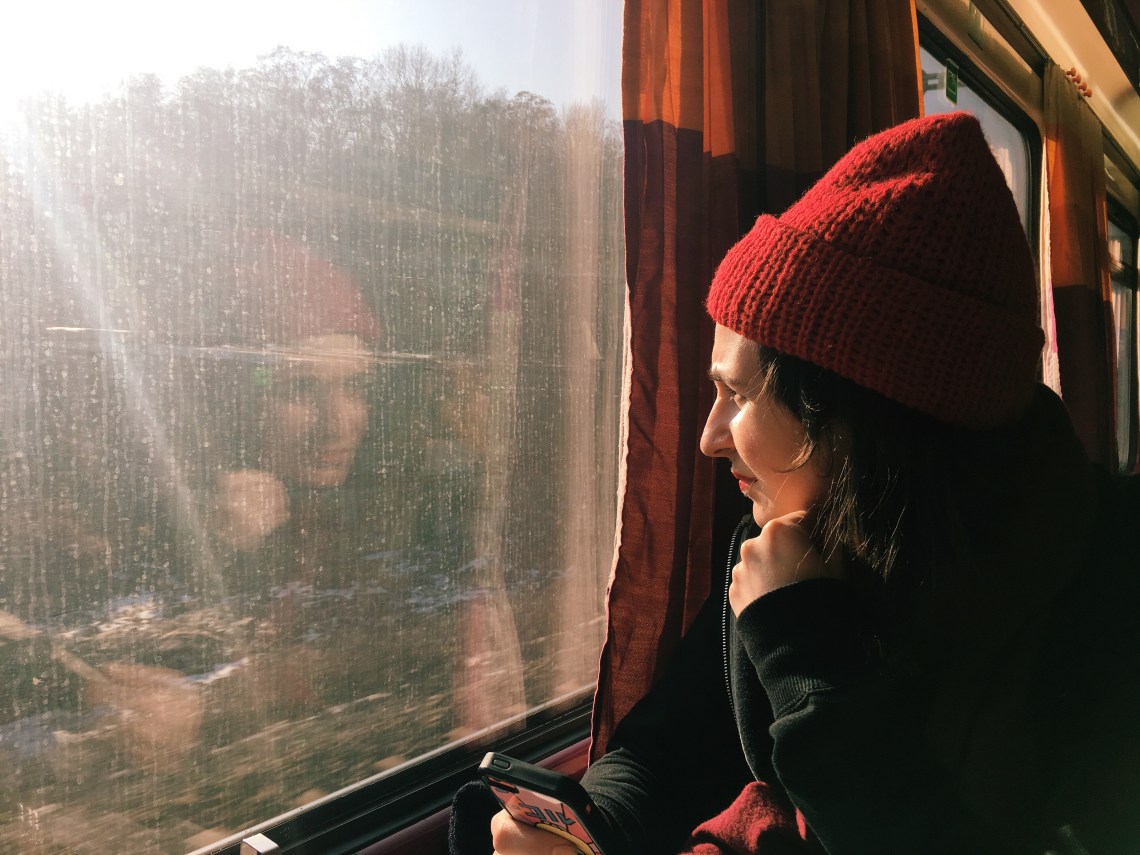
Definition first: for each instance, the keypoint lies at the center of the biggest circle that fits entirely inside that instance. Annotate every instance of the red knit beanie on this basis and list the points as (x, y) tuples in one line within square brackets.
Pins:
[(288, 292), (904, 269)]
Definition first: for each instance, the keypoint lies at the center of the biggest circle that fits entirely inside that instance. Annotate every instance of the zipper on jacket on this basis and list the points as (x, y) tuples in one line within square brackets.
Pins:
[(724, 615), (724, 643)]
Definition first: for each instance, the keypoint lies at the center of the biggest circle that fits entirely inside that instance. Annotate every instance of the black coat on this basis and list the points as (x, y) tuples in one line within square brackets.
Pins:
[(1002, 716)]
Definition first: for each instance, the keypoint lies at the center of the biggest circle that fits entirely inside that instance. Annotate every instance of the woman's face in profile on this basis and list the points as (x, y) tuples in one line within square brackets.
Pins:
[(760, 438), (317, 411)]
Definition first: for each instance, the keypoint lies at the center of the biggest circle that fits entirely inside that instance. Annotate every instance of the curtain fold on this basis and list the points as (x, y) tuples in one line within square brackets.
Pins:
[(1079, 275), (732, 108)]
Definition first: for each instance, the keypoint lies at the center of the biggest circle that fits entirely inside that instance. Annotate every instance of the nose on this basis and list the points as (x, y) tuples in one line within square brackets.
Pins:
[(716, 438), (344, 415)]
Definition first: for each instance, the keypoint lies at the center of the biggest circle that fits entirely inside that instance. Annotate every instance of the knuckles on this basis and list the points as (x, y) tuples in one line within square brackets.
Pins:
[(781, 554), (784, 531), (509, 836)]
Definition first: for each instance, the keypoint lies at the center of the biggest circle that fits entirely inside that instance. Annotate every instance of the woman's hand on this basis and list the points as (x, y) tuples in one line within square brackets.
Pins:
[(251, 505), (781, 554), (514, 838)]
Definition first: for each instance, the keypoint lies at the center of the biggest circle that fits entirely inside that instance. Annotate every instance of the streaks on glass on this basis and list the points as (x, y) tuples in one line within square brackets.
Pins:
[(310, 379)]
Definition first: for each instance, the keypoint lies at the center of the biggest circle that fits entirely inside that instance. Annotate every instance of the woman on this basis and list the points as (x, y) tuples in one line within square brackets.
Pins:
[(298, 342), (925, 641), (299, 328)]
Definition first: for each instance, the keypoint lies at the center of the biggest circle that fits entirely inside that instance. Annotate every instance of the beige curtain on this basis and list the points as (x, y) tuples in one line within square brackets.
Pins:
[(1078, 281)]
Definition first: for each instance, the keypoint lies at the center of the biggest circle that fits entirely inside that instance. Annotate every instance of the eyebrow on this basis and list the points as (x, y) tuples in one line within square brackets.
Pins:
[(718, 376), (736, 382)]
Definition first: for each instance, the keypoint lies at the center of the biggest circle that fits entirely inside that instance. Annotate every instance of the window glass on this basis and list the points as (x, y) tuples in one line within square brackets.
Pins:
[(1006, 142), (1122, 249), (311, 351)]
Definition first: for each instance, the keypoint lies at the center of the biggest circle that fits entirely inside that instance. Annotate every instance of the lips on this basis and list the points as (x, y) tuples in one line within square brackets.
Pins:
[(744, 482)]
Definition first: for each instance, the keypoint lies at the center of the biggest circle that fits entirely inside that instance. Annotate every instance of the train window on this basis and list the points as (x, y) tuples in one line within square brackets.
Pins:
[(1122, 249), (1007, 142), (312, 360)]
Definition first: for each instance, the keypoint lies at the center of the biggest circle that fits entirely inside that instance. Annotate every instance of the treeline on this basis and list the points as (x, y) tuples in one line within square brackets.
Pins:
[(484, 231), (402, 169)]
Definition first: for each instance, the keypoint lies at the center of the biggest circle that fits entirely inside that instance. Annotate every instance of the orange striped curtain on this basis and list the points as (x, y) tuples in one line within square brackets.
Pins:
[(1079, 279), (732, 108)]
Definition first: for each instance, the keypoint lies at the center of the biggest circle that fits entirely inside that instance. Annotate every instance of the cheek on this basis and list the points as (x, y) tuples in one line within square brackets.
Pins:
[(785, 485), (766, 453), (346, 420), (358, 415), (800, 490), (290, 422), (770, 443)]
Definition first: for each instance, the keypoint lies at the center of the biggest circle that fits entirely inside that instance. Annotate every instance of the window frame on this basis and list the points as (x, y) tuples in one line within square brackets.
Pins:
[(1119, 215), (371, 810), (937, 44)]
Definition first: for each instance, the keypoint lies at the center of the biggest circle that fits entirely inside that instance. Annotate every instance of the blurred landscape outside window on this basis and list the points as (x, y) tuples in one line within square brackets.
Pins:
[(309, 412)]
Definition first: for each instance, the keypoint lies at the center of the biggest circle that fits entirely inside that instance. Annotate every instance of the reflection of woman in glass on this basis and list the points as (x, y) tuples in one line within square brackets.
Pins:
[(293, 352), (302, 537), (151, 618), (300, 327)]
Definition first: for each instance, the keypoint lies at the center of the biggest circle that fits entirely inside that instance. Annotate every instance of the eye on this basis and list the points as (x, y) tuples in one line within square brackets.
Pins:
[(723, 390), (297, 390), (740, 400)]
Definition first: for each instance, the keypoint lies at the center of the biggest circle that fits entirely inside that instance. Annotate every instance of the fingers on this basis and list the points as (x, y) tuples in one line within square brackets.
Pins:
[(793, 528), (251, 505), (794, 518), (515, 838), (780, 555)]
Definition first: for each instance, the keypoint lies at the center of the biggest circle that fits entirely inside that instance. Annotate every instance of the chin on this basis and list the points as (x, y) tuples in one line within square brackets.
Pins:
[(761, 513)]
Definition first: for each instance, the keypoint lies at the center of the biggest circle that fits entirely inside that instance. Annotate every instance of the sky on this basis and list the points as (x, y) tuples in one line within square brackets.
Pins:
[(565, 51)]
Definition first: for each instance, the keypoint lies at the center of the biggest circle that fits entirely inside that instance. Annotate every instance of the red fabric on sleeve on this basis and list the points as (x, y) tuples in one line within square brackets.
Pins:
[(757, 822)]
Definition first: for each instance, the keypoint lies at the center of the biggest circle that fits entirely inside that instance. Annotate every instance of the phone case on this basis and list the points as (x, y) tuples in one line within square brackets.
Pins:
[(546, 800)]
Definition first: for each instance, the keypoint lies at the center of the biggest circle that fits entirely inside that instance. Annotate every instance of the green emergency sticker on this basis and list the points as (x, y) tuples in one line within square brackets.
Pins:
[(262, 376), (951, 82)]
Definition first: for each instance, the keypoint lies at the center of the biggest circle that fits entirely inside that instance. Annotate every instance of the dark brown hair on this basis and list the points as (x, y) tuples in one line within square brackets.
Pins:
[(895, 501)]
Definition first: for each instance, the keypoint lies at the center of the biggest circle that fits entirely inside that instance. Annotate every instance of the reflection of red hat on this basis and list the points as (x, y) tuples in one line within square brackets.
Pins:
[(904, 269), (287, 293)]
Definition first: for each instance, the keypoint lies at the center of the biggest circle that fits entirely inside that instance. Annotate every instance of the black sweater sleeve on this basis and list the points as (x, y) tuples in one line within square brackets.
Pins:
[(676, 759), (848, 738)]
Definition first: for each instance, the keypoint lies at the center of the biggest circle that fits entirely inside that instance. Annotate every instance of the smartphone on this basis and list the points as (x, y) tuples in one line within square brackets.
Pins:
[(547, 800)]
